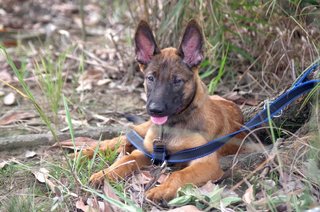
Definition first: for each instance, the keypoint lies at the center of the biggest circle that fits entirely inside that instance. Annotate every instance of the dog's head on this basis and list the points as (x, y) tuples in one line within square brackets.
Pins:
[(170, 81)]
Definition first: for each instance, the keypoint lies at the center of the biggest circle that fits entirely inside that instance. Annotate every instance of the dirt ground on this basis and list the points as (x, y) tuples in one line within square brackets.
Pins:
[(32, 28), (103, 88)]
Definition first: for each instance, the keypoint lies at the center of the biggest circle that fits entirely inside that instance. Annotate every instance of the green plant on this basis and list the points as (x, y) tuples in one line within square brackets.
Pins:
[(215, 199), (83, 167), (48, 72), (19, 203), (20, 73), (214, 82)]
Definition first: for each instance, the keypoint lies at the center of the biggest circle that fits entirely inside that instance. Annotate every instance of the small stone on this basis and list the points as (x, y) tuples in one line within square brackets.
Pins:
[(9, 99)]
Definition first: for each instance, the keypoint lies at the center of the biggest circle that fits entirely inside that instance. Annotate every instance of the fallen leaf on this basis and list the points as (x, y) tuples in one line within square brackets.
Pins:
[(96, 205), (248, 196), (7, 162), (65, 7), (240, 99), (251, 102), (2, 93), (290, 183), (189, 208), (30, 154), (15, 116), (163, 178), (143, 177), (155, 209), (3, 164), (207, 188), (79, 143), (5, 76), (109, 192), (103, 81), (104, 120), (9, 99), (232, 96), (80, 205), (41, 175), (88, 78), (78, 122), (85, 86)]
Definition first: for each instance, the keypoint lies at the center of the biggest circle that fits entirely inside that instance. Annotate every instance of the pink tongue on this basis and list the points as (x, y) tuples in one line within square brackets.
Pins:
[(159, 120)]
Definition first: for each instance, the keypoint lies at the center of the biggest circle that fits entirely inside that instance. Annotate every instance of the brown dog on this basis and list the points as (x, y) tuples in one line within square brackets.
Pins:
[(178, 100)]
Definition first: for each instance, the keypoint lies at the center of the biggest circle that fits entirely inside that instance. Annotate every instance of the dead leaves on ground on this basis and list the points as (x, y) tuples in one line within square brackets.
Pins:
[(56, 187), (248, 196), (5, 75), (77, 144), (189, 208), (91, 77), (15, 116), (93, 204), (5, 163), (241, 98), (30, 154)]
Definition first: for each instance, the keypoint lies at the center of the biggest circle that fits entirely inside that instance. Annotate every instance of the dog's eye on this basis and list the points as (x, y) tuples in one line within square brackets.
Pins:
[(150, 78), (177, 81)]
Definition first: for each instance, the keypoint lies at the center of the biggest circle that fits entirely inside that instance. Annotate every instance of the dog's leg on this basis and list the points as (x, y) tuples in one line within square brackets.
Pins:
[(198, 173), (122, 167), (119, 143)]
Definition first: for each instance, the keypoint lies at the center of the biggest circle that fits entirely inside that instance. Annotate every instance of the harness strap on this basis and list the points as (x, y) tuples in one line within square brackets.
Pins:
[(300, 87), (159, 153)]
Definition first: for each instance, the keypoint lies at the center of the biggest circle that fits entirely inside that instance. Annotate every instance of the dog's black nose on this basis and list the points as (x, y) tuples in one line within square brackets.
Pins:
[(156, 108)]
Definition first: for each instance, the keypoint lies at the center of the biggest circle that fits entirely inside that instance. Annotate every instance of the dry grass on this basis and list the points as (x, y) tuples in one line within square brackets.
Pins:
[(269, 44)]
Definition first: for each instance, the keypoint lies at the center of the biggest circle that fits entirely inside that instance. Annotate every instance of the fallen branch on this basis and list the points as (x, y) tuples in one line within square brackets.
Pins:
[(33, 140)]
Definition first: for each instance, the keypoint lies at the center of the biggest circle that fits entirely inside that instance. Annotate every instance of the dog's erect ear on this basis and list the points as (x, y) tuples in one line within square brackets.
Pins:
[(145, 43), (191, 45)]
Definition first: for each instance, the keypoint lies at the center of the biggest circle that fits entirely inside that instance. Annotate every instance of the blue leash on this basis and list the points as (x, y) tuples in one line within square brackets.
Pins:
[(299, 87)]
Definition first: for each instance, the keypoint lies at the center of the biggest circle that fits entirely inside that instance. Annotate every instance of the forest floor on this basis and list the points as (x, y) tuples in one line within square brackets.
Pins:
[(103, 89)]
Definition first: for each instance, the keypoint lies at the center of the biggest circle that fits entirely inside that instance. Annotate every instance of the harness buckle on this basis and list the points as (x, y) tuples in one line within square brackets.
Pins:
[(159, 151)]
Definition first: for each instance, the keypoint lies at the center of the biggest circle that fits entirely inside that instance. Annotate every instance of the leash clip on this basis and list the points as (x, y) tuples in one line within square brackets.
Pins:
[(159, 151)]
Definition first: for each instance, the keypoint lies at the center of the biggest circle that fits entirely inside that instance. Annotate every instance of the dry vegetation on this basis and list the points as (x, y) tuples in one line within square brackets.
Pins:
[(70, 67)]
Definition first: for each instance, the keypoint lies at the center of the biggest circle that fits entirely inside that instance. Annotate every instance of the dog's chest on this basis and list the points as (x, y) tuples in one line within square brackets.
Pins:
[(174, 139)]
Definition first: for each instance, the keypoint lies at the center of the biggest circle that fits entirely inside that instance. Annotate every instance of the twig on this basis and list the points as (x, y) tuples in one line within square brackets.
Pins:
[(262, 165), (103, 64), (145, 10), (83, 24), (117, 48)]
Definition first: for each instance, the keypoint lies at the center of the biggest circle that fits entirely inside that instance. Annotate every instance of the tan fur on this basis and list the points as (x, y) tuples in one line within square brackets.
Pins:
[(208, 117), (217, 117)]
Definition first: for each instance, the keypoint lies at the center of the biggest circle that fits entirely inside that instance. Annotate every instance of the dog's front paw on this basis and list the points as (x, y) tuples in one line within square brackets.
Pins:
[(97, 178), (83, 153), (161, 192)]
